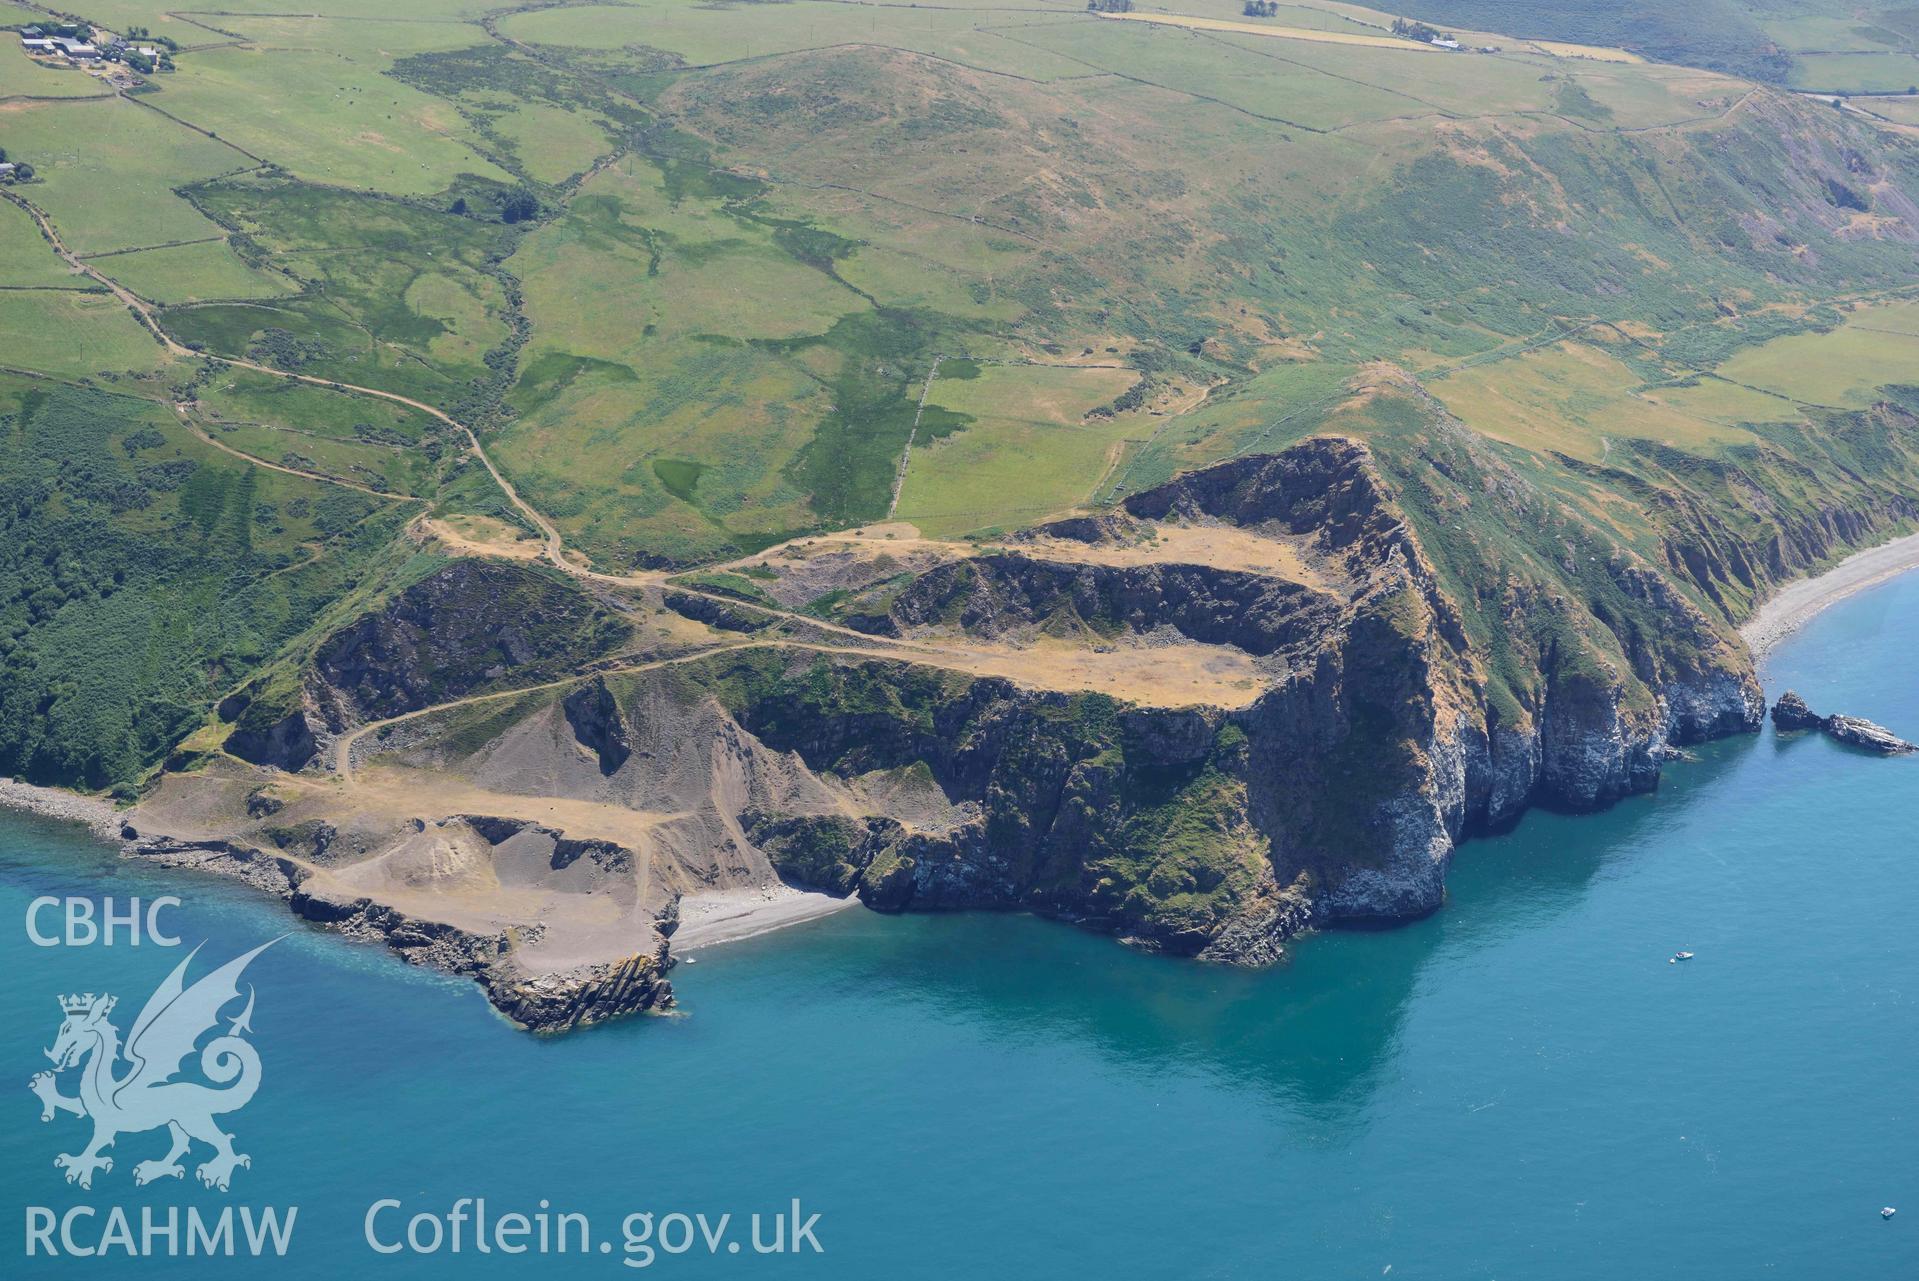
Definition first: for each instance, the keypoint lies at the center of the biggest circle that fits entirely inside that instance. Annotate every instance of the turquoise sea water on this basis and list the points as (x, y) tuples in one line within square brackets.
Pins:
[(1521, 1086)]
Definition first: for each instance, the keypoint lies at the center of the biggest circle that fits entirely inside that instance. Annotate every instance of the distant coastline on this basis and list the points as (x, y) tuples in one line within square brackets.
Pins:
[(1798, 602)]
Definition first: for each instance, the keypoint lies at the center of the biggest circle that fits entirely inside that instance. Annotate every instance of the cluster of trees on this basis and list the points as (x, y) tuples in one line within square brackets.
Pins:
[(1260, 8), (1109, 6), (520, 206), (21, 169), (1417, 31), (165, 42)]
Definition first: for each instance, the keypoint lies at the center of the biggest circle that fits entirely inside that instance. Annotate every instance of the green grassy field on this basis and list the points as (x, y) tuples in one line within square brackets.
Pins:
[(400, 297), (106, 171), (358, 439), (1843, 368), (194, 272), (1856, 72), (1828, 33), (73, 335), (703, 35), (23, 77), (26, 259), (1576, 398), (1013, 446), (313, 97)]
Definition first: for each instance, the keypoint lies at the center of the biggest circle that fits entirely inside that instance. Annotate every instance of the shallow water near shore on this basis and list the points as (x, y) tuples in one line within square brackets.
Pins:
[(1519, 1086)]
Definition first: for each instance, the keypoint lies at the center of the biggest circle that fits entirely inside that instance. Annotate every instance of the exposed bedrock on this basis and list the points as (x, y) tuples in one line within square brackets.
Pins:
[(540, 997), (1791, 713), (1433, 657), (471, 626), (597, 723), (1389, 730)]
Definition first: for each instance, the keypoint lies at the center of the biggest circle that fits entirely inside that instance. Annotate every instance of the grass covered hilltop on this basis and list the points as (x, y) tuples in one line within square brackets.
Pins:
[(1181, 468)]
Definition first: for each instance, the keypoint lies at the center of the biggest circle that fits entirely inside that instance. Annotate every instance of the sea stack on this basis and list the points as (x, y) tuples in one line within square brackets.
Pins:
[(1791, 713)]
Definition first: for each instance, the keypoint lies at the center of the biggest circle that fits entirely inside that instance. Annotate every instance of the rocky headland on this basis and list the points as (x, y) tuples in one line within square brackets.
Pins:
[(1367, 693)]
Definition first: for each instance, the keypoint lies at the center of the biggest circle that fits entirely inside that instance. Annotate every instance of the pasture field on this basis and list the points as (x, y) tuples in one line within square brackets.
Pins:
[(195, 272), (168, 21), (1326, 33), (242, 396), (1843, 368), (313, 96), (697, 35), (1828, 33), (1903, 110), (551, 143), (630, 261), (540, 120), (589, 433), (1303, 14), (1013, 445), (26, 260), (106, 170), (383, 468), (1885, 72), (71, 334), (1244, 72), (685, 316), (1728, 404), (23, 77), (1573, 398)]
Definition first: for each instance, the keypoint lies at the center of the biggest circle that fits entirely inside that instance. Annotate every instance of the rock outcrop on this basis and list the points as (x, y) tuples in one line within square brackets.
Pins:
[(1425, 670), (1791, 713), (538, 999), (597, 723), (472, 626), (1387, 734)]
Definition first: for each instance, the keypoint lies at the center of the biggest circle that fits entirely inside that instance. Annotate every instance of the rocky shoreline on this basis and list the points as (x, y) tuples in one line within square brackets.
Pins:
[(1385, 729), (539, 1002), (98, 814), (559, 1001)]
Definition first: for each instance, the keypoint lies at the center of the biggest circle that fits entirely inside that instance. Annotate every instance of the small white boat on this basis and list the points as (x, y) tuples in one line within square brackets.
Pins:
[(1677, 957), (1887, 1213)]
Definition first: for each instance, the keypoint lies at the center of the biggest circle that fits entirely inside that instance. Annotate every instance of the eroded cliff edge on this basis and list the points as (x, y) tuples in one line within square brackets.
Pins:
[(1306, 689)]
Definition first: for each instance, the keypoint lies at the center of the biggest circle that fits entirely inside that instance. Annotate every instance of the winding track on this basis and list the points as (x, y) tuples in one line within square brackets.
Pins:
[(553, 545)]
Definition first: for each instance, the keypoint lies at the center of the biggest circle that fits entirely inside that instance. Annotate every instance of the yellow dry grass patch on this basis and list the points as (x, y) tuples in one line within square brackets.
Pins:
[(1598, 53), (1570, 398), (1219, 546), (1258, 29), (466, 535)]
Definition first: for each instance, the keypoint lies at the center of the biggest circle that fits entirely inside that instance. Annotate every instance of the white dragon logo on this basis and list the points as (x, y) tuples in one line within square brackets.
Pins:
[(145, 1097)]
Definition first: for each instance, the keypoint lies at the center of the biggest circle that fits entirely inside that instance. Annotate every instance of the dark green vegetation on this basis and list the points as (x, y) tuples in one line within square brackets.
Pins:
[(470, 627), (142, 573), (1163, 850), (1720, 34), (400, 296)]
